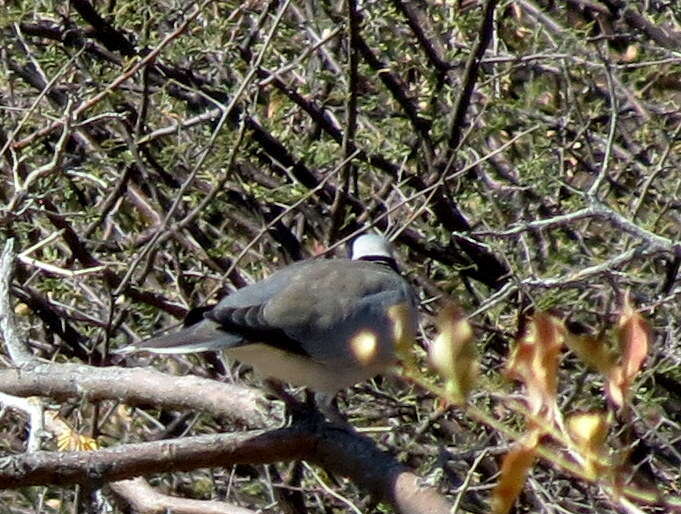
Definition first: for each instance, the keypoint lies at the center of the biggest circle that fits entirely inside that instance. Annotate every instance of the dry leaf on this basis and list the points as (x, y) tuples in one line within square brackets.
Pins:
[(631, 54), (73, 441), (634, 337), (589, 431), (634, 341), (453, 353), (274, 104), (67, 438), (404, 333), (21, 309), (593, 351), (535, 361), (517, 464)]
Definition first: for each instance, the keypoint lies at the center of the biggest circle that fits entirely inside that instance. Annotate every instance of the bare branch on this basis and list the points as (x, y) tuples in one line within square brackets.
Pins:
[(141, 497), (17, 350), (336, 450), (137, 386)]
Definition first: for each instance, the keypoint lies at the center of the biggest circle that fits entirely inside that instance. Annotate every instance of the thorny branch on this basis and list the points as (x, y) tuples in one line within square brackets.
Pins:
[(204, 144)]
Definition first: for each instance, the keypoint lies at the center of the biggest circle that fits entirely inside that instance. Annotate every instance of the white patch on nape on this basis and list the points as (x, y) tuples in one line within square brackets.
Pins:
[(371, 245)]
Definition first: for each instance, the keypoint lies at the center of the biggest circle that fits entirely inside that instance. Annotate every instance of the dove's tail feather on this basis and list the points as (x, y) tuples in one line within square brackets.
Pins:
[(202, 337)]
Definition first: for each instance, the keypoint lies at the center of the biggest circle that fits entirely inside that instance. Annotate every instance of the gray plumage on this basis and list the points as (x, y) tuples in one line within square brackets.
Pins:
[(324, 324)]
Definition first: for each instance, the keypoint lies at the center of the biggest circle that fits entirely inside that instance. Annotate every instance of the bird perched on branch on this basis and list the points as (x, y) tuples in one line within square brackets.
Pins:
[(323, 324)]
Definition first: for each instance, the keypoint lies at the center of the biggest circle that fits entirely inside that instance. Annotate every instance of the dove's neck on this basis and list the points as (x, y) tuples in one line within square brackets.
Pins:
[(381, 259)]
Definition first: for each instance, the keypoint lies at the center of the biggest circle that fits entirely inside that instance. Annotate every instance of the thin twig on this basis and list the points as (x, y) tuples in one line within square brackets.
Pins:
[(149, 58)]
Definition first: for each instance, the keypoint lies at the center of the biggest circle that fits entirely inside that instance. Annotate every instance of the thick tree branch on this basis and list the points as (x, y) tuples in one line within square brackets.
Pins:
[(333, 448), (136, 386)]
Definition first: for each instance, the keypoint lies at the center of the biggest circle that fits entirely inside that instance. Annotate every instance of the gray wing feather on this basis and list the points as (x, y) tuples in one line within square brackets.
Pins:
[(303, 308), (261, 292), (242, 307)]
